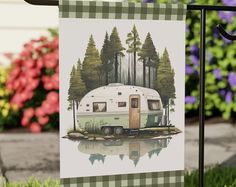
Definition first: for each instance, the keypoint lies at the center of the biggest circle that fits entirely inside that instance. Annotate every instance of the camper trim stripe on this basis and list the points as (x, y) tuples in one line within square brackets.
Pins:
[(162, 179), (121, 10)]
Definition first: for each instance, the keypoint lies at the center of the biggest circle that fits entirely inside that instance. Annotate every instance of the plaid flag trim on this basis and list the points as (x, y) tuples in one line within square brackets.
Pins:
[(121, 10), (160, 179)]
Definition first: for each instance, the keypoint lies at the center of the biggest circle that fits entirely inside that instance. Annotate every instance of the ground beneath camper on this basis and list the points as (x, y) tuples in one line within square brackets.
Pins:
[(146, 133)]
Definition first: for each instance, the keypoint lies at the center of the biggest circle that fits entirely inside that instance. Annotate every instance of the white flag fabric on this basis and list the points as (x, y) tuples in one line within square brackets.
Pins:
[(122, 78)]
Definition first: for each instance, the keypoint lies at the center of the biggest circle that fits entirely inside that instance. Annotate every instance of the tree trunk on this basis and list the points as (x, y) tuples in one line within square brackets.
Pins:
[(149, 76), (73, 108), (107, 78), (120, 69), (144, 73), (135, 68), (149, 72), (129, 82), (116, 67), (168, 113)]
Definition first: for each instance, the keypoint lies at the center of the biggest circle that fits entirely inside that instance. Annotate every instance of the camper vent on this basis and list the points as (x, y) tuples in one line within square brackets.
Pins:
[(119, 93)]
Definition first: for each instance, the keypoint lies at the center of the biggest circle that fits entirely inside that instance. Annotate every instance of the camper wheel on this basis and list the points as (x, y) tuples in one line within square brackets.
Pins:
[(107, 130), (118, 130)]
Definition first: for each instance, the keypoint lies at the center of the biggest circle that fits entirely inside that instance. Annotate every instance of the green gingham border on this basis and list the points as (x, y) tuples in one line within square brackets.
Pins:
[(121, 10), (124, 10), (160, 179)]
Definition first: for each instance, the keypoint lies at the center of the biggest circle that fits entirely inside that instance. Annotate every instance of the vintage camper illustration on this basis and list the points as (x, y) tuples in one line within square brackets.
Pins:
[(118, 107), (121, 91), (133, 148)]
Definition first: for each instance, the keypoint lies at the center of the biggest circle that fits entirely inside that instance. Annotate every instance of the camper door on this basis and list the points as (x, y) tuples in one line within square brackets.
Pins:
[(134, 111)]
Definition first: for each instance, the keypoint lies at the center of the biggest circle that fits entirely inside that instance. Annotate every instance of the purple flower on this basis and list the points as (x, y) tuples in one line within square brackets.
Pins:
[(226, 40), (194, 60), (186, 28), (229, 97), (190, 99), (232, 79), (194, 50), (215, 32), (229, 2), (227, 16), (222, 93), (217, 74), (189, 70), (149, 1)]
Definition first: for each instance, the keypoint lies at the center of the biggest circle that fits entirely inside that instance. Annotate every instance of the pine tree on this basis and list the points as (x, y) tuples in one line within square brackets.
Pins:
[(165, 83), (71, 91), (116, 49), (92, 66), (106, 58), (77, 88), (134, 46), (149, 57), (80, 85)]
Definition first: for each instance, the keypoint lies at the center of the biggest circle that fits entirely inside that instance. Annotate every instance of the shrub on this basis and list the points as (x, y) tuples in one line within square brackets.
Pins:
[(220, 62), (34, 83)]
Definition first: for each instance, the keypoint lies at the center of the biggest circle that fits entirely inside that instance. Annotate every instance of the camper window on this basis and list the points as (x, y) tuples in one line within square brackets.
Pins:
[(154, 104), (121, 104), (134, 103), (99, 107)]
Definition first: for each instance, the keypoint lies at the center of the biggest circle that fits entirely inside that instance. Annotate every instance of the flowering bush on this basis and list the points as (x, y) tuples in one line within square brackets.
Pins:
[(220, 62), (34, 83)]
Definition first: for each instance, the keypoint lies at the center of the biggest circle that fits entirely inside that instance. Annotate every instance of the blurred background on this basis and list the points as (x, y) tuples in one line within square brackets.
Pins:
[(29, 101)]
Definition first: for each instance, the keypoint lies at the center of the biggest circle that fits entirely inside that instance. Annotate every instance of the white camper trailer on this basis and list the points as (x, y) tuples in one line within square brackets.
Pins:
[(116, 107)]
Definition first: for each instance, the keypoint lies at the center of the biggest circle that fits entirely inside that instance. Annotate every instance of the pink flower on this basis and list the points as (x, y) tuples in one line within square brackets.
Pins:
[(33, 72), (34, 83), (29, 113), (50, 63), (39, 63), (23, 81), (16, 84), (43, 120), (25, 121), (29, 63), (23, 96), (39, 112), (46, 107), (48, 86), (52, 97), (30, 94), (16, 100), (35, 127)]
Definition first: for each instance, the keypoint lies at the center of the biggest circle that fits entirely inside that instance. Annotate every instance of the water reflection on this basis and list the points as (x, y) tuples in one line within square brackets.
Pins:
[(133, 148)]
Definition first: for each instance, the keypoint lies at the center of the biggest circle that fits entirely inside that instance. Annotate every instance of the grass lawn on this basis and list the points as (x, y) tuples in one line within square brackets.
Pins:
[(215, 177)]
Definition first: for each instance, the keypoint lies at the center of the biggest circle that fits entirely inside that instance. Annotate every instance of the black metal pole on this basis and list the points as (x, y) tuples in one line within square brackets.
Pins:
[(202, 98)]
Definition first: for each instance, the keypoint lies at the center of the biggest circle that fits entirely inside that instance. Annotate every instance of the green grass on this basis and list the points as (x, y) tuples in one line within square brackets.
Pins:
[(214, 177), (35, 183)]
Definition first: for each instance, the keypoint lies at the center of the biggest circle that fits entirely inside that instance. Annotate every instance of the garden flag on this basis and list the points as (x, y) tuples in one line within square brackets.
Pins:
[(122, 77)]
